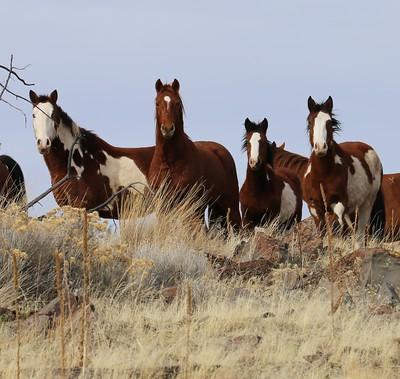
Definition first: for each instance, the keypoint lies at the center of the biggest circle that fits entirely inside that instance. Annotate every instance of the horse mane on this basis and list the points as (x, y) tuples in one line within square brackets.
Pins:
[(293, 161), (18, 191), (336, 126)]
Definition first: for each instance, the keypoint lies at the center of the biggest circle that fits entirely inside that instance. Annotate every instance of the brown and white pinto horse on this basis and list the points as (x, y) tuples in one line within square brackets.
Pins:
[(267, 193), (350, 172), (12, 183), (102, 169), (183, 163)]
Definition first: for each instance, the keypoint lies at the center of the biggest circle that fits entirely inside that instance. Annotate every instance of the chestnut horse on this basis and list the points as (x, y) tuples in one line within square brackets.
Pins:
[(267, 193), (12, 183), (350, 173), (389, 206), (183, 163), (102, 169)]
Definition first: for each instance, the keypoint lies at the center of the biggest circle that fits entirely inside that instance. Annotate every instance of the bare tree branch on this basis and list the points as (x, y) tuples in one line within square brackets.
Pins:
[(8, 77)]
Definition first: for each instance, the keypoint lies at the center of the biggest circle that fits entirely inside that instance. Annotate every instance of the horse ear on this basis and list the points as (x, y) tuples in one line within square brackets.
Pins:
[(34, 97), (264, 125), (282, 147), (54, 96), (311, 104), (247, 124), (328, 105), (175, 85), (158, 85)]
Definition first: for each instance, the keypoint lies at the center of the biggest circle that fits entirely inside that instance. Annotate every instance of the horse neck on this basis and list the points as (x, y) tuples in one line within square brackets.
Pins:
[(57, 158), (172, 149), (292, 161), (323, 165), (260, 180)]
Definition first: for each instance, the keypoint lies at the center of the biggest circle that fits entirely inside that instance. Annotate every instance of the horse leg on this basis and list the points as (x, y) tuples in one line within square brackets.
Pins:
[(364, 213)]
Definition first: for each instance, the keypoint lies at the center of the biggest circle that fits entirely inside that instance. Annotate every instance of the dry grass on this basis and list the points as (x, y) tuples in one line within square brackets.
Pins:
[(222, 329)]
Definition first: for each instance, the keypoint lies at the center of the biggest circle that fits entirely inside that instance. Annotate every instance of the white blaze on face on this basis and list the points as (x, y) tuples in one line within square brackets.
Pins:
[(43, 125), (167, 99), (254, 148), (319, 133)]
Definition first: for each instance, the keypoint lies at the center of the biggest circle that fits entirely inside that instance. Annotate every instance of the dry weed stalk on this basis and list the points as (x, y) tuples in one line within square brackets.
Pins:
[(330, 251), (85, 305), (189, 313), (17, 315), (60, 291)]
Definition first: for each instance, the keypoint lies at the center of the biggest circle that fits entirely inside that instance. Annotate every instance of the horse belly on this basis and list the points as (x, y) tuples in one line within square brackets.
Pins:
[(359, 188)]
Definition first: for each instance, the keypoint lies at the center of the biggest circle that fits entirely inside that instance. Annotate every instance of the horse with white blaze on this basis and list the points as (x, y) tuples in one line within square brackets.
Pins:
[(267, 193), (350, 173), (101, 169)]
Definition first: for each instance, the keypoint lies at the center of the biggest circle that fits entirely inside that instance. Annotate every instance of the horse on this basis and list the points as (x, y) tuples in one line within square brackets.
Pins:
[(267, 193), (12, 183), (349, 173), (387, 209), (185, 164), (99, 169)]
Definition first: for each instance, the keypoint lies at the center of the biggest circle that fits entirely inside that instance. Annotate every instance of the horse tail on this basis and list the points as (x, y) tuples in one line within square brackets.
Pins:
[(378, 219), (18, 191)]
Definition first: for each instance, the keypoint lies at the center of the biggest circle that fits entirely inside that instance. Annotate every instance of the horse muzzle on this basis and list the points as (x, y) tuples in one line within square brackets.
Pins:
[(320, 150), (254, 164), (168, 132), (43, 146)]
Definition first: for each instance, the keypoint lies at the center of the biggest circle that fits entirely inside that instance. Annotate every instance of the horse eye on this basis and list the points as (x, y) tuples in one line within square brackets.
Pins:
[(33, 116)]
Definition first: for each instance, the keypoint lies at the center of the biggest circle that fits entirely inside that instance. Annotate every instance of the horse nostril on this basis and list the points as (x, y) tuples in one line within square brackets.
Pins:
[(47, 142), (325, 146), (38, 141)]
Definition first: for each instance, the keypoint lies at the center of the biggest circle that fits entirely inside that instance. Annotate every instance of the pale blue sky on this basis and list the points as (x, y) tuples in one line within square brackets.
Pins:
[(233, 59)]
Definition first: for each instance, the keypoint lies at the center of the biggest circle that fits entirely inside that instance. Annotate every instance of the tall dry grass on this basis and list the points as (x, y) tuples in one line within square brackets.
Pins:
[(213, 329)]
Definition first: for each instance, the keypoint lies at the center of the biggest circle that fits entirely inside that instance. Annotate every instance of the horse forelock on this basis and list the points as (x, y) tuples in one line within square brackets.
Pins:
[(336, 126)]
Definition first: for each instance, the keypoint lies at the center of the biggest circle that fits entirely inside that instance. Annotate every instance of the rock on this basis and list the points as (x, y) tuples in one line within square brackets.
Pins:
[(260, 246), (318, 356), (305, 236), (249, 340), (383, 309), (48, 317), (7, 314), (169, 294), (374, 266)]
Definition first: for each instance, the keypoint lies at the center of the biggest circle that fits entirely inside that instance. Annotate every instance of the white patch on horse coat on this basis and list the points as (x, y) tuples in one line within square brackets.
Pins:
[(338, 210), (320, 133), (338, 160), (254, 146), (359, 188), (122, 172), (167, 99), (288, 203), (375, 167)]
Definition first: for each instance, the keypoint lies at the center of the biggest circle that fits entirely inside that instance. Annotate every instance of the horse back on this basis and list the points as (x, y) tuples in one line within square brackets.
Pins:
[(217, 161), (12, 183)]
